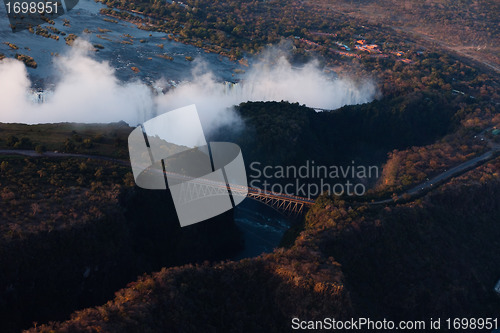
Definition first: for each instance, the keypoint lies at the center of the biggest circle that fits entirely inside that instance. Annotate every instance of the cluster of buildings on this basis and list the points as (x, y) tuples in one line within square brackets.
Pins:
[(370, 48), (360, 45)]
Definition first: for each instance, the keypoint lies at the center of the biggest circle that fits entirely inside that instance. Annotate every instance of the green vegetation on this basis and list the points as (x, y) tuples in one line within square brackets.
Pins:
[(411, 261), (70, 39), (103, 37), (79, 228), (33, 188), (55, 30), (12, 46), (165, 56), (455, 24), (282, 133), (251, 296), (110, 20), (95, 139), (423, 258), (28, 61), (45, 32)]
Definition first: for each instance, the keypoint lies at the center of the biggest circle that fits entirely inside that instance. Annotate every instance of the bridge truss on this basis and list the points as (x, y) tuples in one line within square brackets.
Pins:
[(290, 206)]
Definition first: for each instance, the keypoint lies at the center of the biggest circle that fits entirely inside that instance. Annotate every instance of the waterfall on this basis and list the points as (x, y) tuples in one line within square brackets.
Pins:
[(39, 96)]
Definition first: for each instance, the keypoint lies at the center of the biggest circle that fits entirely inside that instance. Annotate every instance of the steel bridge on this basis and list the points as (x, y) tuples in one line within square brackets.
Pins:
[(288, 205)]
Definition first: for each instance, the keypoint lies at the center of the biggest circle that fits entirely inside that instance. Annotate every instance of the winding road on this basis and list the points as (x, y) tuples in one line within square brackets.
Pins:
[(452, 172)]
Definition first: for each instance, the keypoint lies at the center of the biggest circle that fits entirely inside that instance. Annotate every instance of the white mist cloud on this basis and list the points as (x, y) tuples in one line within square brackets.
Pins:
[(88, 91), (307, 85), (14, 84)]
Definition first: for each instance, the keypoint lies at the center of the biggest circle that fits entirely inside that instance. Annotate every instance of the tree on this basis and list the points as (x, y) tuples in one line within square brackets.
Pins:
[(12, 140), (24, 143), (40, 149), (69, 146), (3, 166)]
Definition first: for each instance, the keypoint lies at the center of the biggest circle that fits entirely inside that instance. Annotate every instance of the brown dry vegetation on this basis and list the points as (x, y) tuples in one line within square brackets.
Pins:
[(471, 27)]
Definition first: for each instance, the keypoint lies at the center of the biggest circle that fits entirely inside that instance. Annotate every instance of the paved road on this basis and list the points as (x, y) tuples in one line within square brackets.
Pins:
[(451, 172), (32, 153), (448, 174)]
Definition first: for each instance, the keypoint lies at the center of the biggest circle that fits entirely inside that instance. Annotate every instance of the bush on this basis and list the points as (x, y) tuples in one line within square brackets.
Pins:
[(12, 140), (24, 143), (40, 149)]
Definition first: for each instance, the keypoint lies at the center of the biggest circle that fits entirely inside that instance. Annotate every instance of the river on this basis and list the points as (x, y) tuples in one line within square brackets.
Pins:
[(143, 55), (262, 228)]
